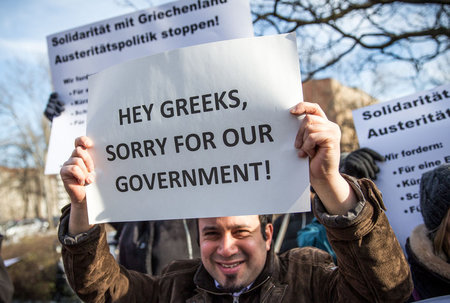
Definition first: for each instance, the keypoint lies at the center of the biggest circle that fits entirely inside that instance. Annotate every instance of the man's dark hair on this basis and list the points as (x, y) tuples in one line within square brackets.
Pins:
[(264, 220)]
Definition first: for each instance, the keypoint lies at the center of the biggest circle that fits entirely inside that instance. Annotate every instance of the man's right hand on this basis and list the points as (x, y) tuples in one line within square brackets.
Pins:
[(76, 173)]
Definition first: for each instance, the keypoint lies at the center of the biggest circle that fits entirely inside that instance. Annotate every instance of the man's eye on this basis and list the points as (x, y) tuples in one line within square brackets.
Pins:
[(242, 233), (210, 234)]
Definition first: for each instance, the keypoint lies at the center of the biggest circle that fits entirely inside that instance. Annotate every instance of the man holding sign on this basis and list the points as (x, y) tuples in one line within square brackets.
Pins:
[(237, 260)]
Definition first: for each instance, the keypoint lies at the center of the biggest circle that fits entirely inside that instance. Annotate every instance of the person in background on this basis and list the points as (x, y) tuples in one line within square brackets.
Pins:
[(286, 227), (302, 229), (361, 163), (6, 285), (428, 246), (54, 107), (149, 246)]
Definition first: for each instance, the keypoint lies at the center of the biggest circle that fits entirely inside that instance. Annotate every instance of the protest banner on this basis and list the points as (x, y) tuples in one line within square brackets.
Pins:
[(79, 52), (412, 133), (201, 131)]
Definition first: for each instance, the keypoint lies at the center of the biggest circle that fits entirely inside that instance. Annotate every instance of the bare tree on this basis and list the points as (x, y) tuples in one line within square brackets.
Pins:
[(23, 141), (359, 41), (355, 35), (138, 4)]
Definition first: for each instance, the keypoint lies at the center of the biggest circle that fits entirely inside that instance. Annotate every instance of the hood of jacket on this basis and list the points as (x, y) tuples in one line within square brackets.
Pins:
[(422, 247)]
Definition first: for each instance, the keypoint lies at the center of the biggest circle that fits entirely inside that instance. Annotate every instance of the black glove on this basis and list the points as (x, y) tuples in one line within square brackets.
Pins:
[(54, 107), (361, 163)]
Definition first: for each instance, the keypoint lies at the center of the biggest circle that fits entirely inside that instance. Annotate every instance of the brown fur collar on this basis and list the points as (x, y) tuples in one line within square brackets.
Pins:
[(422, 247)]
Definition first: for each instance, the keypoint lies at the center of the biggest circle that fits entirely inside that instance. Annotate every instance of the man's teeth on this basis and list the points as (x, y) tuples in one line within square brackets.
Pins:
[(231, 265)]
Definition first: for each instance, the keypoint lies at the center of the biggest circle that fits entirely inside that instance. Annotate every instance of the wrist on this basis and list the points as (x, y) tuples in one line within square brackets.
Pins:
[(78, 205), (335, 193), (78, 219)]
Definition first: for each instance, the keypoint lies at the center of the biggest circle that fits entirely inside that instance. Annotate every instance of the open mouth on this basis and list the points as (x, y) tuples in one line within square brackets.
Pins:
[(233, 265)]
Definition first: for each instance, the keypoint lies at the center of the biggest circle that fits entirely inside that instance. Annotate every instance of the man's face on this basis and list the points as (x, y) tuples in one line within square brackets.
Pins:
[(233, 249)]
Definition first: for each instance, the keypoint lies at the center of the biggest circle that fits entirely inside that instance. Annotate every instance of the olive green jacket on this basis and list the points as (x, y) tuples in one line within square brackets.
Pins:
[(372, 266)]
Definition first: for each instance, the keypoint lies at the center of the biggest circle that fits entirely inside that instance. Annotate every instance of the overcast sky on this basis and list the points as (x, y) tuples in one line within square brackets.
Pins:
[(24, 24)]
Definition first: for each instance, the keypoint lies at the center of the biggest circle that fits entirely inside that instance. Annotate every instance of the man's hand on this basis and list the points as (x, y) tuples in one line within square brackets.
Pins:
[(319, 139), (76, 173), (54, 107)]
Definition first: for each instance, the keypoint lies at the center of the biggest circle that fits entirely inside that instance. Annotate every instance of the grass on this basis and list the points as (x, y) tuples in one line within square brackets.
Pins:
[(36, 275)]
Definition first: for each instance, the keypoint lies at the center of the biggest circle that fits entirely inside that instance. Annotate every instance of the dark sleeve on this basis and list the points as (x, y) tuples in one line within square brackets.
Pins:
[(372, 266), (6, 285), (94, 274)]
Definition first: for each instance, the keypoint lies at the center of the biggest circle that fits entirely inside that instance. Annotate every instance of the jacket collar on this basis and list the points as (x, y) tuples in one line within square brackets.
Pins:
[(422, 247), (204, 281)]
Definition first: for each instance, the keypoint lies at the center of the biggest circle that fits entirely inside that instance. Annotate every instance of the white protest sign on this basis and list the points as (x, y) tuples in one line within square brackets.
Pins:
[(412, 133), (77, 53), (198, 132)]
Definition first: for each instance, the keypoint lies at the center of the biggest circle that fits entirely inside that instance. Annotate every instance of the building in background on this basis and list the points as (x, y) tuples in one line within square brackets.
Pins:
[(26, 193), (338, 101)]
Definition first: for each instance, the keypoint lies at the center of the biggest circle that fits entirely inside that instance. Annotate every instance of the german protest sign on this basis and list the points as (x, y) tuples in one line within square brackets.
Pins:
[(79, 52), (412, 133), (201, 131)]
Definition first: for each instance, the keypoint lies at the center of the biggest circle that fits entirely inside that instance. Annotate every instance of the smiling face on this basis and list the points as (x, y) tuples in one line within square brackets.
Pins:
[(233, 249)]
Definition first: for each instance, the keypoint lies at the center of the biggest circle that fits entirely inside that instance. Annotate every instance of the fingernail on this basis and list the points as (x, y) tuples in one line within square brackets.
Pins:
[(90, 178)]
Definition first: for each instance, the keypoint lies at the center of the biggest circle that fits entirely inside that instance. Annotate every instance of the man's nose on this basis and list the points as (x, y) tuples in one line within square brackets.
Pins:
[(227, 246)]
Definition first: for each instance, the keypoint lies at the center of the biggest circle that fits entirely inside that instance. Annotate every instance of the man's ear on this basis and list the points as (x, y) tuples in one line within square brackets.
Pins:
[(269, 235)]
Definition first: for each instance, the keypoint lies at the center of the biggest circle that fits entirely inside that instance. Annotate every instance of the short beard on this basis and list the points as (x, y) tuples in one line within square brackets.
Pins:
[(229, 287)]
